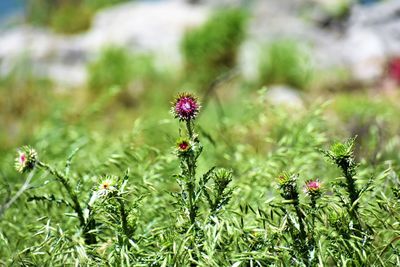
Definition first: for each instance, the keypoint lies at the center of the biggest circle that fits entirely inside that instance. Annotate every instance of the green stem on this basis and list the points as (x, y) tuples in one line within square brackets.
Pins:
[(189, 128), (300, 217), (191, 189), (353, 196), (191, 165), (123, 215), (89, 238)]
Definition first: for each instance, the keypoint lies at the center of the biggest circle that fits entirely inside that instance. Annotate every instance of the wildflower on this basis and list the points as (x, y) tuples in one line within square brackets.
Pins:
[(185, 107), (106, 187), (26, 159), (312, 188)]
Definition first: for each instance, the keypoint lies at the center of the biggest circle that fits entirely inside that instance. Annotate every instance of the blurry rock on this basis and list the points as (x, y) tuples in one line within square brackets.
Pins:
[(383, 19), (379, 13), (282, 95), (365, 53)]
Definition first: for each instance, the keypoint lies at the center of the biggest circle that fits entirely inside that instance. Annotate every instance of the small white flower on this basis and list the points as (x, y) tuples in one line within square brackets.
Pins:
[(106, 186)]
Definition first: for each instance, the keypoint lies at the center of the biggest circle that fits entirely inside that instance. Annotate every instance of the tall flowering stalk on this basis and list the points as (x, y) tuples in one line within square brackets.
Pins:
[(289, 191), (312, 188), (211, 188), (303, 238), (186, 107)]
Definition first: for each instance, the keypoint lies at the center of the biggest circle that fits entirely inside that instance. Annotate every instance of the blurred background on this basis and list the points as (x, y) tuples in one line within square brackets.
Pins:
[(98, 65)]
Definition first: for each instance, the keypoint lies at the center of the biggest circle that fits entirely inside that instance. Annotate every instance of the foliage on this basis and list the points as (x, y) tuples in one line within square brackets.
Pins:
[(212, 49), (71, 19), (116, 66), (123, 206), (285, 62), (98, 4), (62, 16)]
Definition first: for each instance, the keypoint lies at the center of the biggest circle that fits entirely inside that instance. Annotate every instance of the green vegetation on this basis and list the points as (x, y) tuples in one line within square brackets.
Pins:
[(116, 188), (285, 62), (68, 19), (212, 49), (118, 69), (62, 16)]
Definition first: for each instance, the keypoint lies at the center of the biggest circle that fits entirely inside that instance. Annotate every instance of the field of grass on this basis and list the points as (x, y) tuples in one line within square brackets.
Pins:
[(128, 171)]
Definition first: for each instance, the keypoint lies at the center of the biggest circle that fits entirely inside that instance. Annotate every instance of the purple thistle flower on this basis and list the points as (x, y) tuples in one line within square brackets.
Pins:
[(185, 107)]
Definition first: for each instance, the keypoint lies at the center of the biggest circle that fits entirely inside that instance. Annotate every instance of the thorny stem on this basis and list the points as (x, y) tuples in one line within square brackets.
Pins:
[(123, 215), (191, 165), (312, 230), (300, 216), (89, 237), (353, 195), (189, 128)]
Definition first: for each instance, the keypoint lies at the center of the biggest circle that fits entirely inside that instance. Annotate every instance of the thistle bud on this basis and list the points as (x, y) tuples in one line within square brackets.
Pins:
[(26, 159), (313, 188)]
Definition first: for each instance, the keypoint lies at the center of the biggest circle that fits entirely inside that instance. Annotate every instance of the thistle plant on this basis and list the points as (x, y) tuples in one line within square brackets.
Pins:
[(194, 190), (302, 231), (342, 155), (186, 108), (109, 199), (27, 160), (220, 194), (289, 191), (312, 188)]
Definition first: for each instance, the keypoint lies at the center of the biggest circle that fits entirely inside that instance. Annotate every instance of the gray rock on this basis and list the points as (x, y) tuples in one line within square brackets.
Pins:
[(282, 95), (365, 54)]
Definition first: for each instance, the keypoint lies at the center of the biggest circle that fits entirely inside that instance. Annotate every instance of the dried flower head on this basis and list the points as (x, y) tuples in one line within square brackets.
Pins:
[(185, 107), (312, 188), (26, 159)]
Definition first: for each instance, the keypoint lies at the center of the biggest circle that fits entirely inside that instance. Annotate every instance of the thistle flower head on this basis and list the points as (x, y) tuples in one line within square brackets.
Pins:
[(185, 107), (26, 159), (312, 188)]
